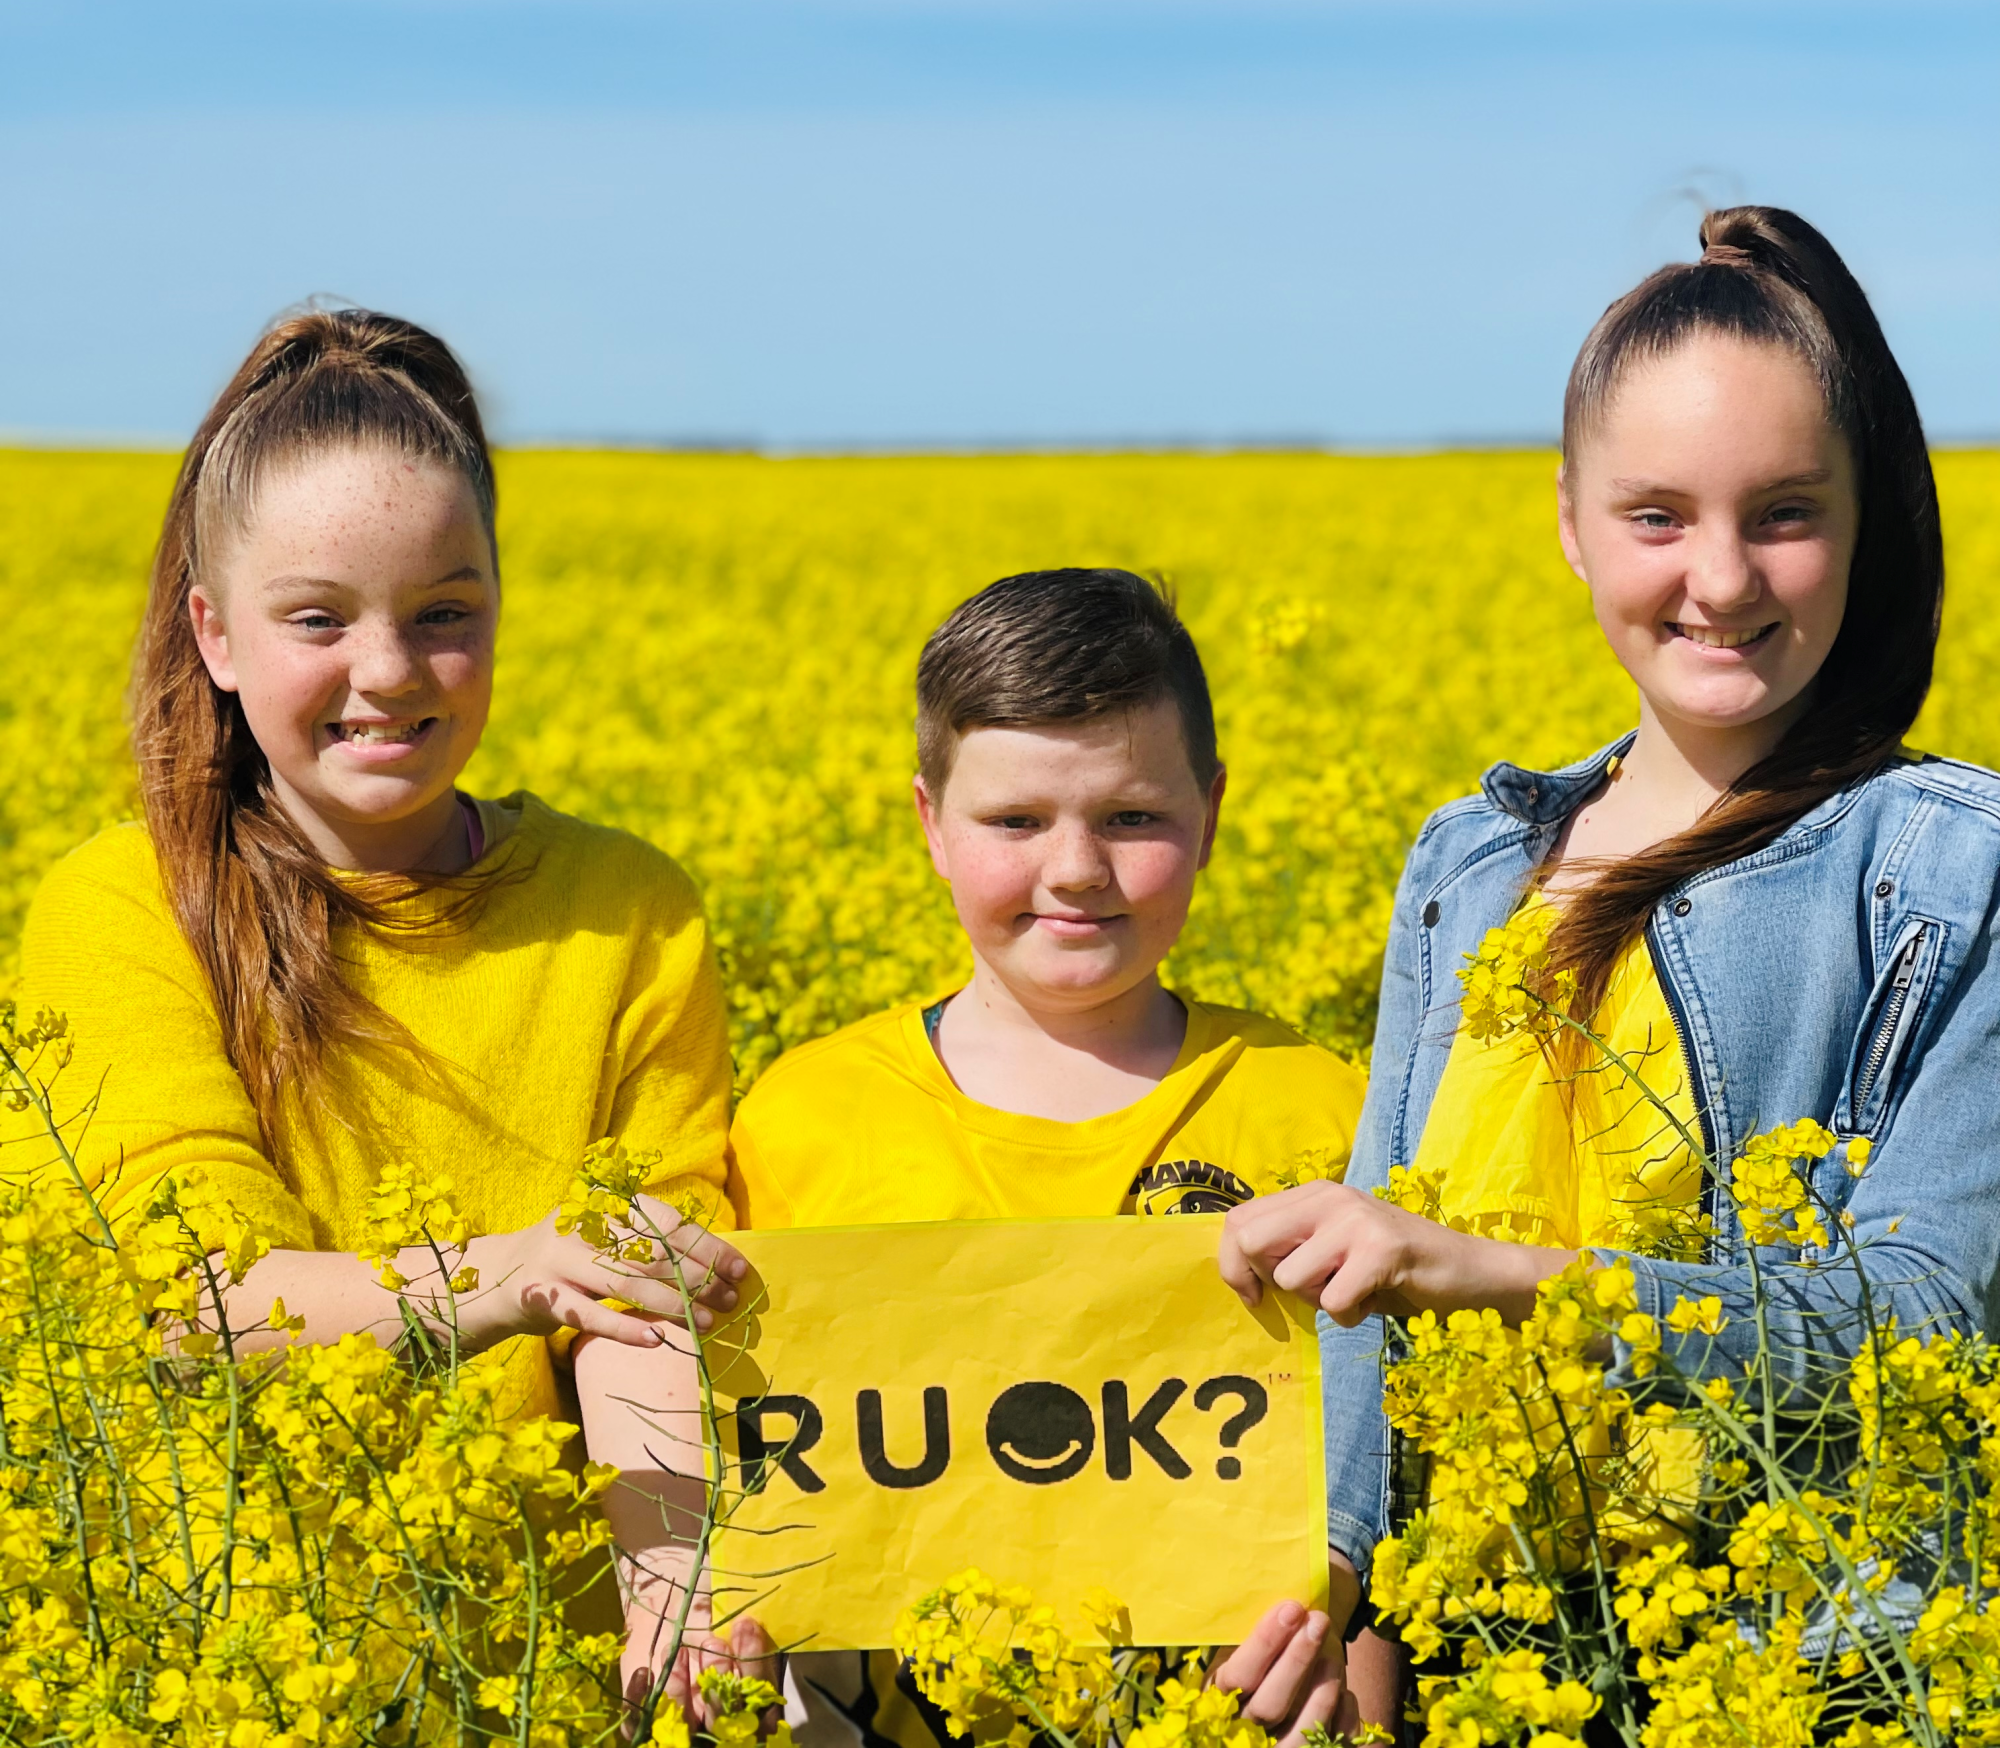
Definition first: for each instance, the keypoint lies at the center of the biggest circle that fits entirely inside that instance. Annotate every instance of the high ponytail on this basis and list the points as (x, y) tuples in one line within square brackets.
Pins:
[(1767, 276), (258, 907)]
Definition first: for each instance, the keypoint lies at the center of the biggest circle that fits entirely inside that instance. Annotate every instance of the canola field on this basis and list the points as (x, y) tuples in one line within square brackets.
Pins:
[(716, 653)]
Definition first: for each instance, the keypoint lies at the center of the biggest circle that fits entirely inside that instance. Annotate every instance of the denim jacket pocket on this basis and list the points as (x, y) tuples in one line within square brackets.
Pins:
[(1891, 1019)]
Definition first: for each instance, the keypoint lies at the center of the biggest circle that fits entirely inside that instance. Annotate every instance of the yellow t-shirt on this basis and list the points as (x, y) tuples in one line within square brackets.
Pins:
[(1553, 1147), (581, 1002), (1543, 1144), (866, 1126)]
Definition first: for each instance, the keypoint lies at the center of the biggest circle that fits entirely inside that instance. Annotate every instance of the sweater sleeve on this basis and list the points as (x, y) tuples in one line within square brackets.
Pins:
[(673, 1042), (149, 1089)]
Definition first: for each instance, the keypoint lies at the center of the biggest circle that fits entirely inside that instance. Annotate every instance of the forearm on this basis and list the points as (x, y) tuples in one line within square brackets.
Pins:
[(1375, 1678), (1812, 1318), (338, 1293), (642, 1414)]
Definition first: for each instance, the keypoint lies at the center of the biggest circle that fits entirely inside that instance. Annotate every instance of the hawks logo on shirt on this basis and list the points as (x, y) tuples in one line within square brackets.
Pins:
[(1187, 1186)]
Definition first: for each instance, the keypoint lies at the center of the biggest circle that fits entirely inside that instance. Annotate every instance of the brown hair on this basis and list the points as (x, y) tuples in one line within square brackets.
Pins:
[(1767, 276), (1059, 646), (257, 905)]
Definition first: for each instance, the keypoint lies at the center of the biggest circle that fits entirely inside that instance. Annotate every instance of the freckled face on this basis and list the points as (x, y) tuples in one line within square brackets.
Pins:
[(1713, 514), (355, 620), (1072, 851)]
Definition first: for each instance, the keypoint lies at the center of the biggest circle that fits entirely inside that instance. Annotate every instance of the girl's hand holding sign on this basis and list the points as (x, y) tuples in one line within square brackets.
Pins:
[(1356, 1256)]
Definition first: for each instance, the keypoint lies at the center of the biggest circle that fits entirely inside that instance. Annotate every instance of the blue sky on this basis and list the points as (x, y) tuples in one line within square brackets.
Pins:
[(814, 223)]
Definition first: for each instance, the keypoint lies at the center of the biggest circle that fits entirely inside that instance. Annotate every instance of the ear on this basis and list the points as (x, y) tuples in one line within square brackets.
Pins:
[(1215, 790), (211, 637), (927, 814), (1566, 520)]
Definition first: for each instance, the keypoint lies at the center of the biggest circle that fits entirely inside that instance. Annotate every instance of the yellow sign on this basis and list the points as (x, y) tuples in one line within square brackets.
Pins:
[(1063, 1404)]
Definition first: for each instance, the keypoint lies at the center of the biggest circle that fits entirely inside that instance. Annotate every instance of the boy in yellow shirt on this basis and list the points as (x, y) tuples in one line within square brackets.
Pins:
[(1069, 788)]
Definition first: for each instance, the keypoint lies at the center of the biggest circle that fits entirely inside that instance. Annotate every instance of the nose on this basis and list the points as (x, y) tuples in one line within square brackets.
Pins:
[(381, 663), (1076, 860), (1722, 575)]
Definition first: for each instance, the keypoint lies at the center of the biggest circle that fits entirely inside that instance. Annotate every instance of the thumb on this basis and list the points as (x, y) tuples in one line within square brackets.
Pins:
[(750, 1645)]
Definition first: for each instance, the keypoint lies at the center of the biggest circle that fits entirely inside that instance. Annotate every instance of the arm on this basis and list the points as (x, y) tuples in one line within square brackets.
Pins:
[(642, 1413), (1926, 1216), (150, 1093), (531, 1282)]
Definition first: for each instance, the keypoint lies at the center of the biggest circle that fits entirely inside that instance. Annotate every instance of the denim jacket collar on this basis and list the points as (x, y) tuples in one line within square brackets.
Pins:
[(1547, 797)]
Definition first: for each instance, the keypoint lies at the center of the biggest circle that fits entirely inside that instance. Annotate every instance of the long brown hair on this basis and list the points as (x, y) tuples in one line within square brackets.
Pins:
[(257, 905), (1765, 275)]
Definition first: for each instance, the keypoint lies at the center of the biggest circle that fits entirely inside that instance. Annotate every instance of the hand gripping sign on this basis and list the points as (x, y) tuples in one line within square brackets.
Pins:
[(1063, 1403)]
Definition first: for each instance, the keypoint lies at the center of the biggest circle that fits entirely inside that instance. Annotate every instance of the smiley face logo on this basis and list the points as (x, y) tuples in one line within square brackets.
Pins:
[(1040, 1433)]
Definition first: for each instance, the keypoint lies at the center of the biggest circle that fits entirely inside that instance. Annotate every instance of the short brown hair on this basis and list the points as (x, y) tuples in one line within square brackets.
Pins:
[(1058, 646)]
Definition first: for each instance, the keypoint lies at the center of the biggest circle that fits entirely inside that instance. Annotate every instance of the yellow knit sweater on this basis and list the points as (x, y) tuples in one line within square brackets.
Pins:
[(581, 1003)]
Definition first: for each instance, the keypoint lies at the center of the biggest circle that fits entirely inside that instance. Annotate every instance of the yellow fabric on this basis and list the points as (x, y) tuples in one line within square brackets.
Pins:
[(866, 1126), (1527, 1144), (581, 1002)]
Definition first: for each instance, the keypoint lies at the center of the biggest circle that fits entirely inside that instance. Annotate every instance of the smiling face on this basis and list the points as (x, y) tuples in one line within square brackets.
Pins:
[(354, 618), (1712, 510), (1072, 851)]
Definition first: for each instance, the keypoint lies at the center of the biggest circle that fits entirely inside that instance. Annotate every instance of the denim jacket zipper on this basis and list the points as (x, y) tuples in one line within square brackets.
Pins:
[(1890, 1022)]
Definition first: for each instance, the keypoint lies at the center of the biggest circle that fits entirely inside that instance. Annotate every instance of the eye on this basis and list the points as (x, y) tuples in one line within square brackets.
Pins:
[(1657, 521), (1131, 819), (1014, 822), (317, 622), (1792, 514), (446, 613)]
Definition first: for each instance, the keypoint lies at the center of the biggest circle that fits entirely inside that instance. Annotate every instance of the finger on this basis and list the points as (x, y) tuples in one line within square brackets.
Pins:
[(1346, 1713), (703, 1256), (1317, 1711), (699, 1651), (1325, 1688), (1307, 1270), (567, 1307), (1271, 1227), (1234, 1264), (661, 1299), (1245, 1667), (1278, 1695), (1356, 1287), (752, 1647)]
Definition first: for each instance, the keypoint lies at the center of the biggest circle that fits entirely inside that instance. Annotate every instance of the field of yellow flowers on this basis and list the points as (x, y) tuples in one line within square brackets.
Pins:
[(717, 653)]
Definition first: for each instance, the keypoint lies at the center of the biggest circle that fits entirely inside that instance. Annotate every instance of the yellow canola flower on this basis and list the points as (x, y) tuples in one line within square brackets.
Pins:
[(748, 629), (1510, 988), (1771, 1190)]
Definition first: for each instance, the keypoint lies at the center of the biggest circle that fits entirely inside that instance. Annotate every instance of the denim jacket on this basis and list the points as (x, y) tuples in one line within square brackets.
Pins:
[(1847, 971)]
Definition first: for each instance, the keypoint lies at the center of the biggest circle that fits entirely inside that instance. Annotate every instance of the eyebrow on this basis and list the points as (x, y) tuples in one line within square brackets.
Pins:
[(466, 573), (1652, 488)]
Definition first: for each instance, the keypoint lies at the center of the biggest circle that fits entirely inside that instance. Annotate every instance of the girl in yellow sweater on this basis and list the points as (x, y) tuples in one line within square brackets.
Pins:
[(317, 957)]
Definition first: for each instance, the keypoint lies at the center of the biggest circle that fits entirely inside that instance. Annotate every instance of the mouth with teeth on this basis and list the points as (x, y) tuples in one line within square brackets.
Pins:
[(1716, 637), (379, 734)]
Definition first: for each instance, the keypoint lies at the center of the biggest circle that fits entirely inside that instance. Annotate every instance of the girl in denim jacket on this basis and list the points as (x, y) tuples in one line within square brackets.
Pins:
[(1807, 907)]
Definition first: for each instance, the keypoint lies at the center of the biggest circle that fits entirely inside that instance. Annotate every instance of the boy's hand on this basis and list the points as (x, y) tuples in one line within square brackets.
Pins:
[(747, 1650), (1293, 1666), (1292, 1673)]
